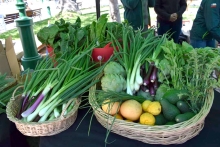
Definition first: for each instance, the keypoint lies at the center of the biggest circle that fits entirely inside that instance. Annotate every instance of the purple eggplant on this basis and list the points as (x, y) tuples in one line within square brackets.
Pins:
[(149, 72), (152, 90), (156, 84), (153, 75), (144, 88)]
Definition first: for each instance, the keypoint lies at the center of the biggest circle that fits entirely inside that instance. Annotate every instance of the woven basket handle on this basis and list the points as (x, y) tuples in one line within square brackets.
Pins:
[(13, 94), (64, 110)]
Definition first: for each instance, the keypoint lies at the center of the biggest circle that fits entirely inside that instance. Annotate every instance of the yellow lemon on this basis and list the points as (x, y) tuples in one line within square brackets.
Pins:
[(154, 108), (145, 105), (147, 119), (118, 116)]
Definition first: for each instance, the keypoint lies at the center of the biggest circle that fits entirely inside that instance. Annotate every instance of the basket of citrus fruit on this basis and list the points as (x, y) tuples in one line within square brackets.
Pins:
[(156, 91), (164, 118)]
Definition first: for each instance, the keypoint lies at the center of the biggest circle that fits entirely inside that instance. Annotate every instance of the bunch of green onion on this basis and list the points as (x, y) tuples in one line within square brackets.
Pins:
[(50, 88)]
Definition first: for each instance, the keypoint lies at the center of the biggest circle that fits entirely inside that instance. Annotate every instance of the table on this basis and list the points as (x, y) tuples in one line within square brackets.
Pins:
[(208, 137), (9, 135)]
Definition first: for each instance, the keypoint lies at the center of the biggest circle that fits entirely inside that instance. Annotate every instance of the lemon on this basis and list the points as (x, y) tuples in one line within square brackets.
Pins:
[(145, 105), (154, 108), (147, 119), (118, 116)]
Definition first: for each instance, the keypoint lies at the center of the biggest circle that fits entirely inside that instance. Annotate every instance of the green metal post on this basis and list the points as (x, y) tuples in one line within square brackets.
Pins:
[(24, 25), (48, 11)]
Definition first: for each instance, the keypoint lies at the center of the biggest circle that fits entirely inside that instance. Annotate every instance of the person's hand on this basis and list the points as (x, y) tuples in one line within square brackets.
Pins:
[(173, 17)]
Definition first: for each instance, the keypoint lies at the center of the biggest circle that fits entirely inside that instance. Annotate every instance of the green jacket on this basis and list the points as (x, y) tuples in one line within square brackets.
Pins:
[(137, 12), (207, 22)]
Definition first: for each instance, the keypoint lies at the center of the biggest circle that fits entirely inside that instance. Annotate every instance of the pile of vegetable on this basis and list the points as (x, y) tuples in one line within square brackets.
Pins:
[(50, 87), (70, 73), (65, 36), (176, 79)]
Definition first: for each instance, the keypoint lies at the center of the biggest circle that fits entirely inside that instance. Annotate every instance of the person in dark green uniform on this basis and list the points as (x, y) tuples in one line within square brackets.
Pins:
[(137, 13), (206, 26), (169, 17)]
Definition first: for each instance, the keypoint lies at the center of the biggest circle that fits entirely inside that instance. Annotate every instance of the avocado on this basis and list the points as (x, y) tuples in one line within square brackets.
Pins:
[(183, 117), (174, 95), (160, 119), (169, 110), (183, 106), (170, 123)]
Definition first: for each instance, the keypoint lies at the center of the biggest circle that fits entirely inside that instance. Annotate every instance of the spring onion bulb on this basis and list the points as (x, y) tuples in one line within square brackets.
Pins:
[(56, 112), (39, 99), (138, 78), (136, 86), (45, 109)]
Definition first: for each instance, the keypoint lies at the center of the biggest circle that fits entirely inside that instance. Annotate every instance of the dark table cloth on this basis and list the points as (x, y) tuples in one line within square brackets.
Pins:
[(208, 137), (9, 135)]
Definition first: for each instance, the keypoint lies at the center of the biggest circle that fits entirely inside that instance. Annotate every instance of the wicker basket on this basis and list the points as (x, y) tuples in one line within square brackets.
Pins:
[(46, 128), (164, 134)]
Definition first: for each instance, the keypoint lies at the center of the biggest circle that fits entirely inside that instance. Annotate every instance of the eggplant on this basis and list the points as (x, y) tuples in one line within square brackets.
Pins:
[(149, 72), (153, 76), (152, 91), (144, 88)]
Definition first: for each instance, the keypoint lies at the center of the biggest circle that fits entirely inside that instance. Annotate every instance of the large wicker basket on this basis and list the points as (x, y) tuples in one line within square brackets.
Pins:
[(46, 128), (164, 134)]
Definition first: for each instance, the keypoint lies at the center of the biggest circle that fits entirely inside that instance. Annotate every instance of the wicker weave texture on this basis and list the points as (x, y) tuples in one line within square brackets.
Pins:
[(161, 134), (46, 128)]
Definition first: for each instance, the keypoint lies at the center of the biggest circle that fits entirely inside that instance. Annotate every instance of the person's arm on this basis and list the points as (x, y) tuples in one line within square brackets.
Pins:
[(182, 9), (212, 18), (162, 13), (130, 4)]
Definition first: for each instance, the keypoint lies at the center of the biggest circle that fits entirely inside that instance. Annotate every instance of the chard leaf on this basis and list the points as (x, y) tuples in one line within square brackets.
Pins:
[(101, 27), (46, 35), (93, 31), (56, 45), (77, 23), (64, 41), (80, 34), (72, 31)]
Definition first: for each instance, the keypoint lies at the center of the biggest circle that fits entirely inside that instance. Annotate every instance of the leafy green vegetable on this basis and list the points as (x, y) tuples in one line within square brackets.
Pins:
[(186, 68), (114, 68), (161, 91), (113, 82), (47, 34), (63, 36), (98, 30)]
